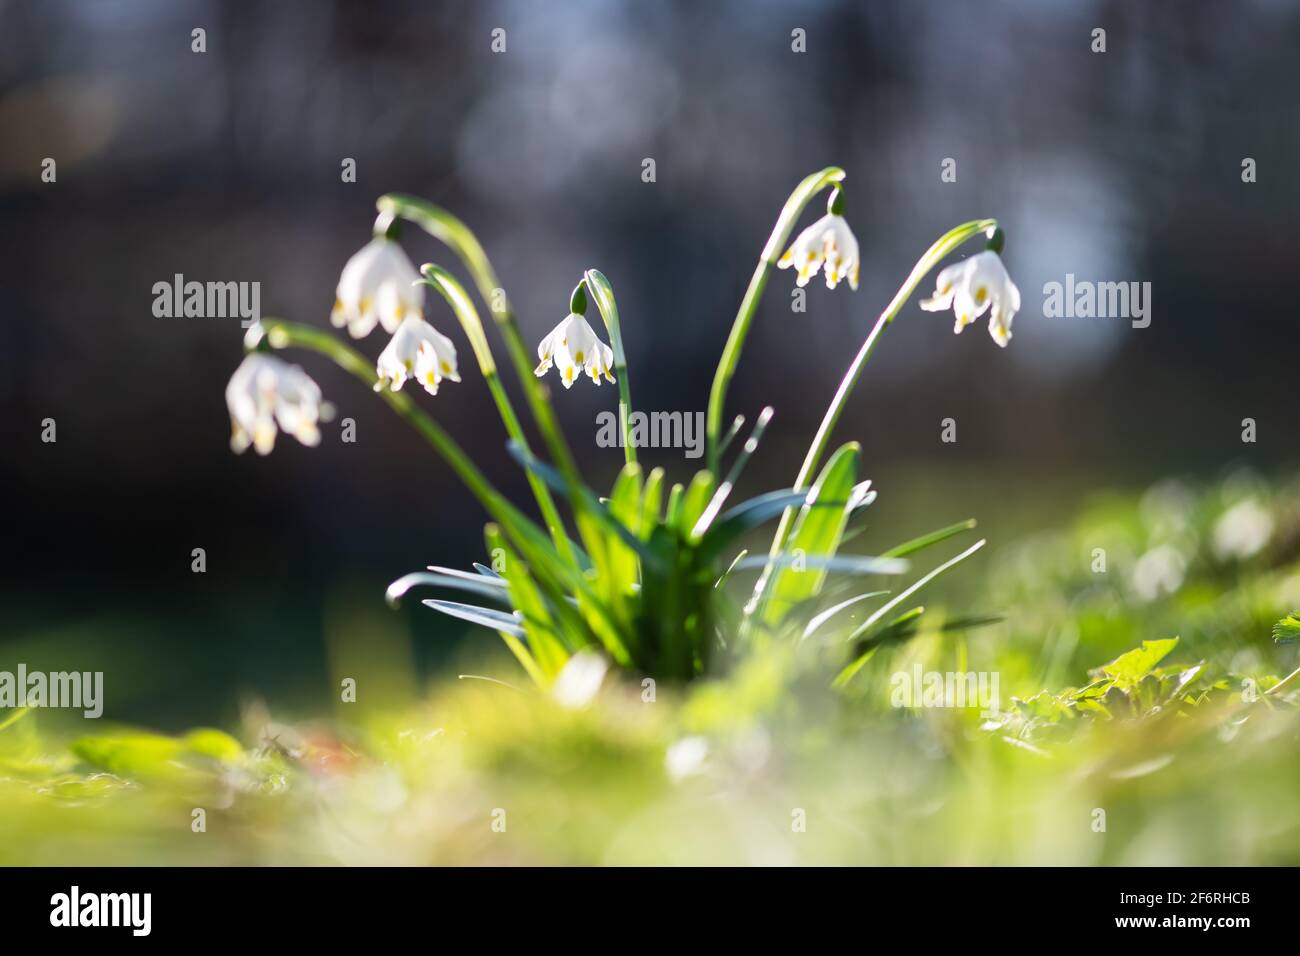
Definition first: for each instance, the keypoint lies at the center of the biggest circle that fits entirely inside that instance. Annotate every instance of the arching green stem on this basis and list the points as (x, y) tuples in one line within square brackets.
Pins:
[(603, 293), (790, 212), (280, 334), (463, 307)]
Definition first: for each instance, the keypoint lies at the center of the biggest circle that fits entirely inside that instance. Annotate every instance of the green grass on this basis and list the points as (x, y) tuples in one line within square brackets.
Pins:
[(1165, 711)]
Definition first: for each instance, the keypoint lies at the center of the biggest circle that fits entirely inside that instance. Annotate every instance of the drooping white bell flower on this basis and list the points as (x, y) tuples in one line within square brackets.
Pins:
[(829, 242), (417, 350), (1243, 530), (573, 347), (378, 284), (265, 392), (973, 285), (1160, 571)]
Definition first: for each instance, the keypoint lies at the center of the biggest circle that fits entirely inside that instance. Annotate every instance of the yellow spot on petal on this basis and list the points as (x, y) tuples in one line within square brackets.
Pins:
[(446, 368), (578, 358), (365, 306), (981, 294)]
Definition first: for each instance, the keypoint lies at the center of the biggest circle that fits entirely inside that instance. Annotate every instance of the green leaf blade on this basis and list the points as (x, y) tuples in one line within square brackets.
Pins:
[(818, 531)]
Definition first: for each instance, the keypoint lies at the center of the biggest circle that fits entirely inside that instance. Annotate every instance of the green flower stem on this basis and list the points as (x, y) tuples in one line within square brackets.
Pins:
[(944, 245), (280, 334), (1284, 682), (603, 293), (446, 228), (794, 207), (463, 306)]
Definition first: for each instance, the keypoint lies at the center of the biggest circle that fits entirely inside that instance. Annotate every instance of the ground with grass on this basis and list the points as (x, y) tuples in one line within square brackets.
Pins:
[(1145, 716)]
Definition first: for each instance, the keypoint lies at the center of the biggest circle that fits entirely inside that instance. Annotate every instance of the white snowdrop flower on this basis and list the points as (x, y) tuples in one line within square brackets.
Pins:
[(378, 284), (1160, 571), (266, 392), (1166, 509), (828, 245), (1242, 531), (573, 347), (686, 757), (417, 350), (580, 680), (974, 285)]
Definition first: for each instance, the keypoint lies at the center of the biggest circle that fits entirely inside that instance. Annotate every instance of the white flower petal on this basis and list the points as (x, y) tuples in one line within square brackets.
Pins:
[(1000, 325), (546, 349), (1242, 531), (580, 680), (945, 288), (687, 757)]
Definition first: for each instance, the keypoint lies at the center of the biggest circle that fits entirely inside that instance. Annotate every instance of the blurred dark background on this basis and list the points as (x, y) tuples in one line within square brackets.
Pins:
[(226, 166)]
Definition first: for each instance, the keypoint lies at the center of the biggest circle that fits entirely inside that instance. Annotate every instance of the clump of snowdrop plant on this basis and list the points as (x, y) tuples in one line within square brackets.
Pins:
[(646, 576)]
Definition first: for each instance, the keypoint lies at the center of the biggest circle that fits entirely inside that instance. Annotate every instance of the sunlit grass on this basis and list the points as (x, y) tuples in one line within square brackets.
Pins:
[(1188, 748)]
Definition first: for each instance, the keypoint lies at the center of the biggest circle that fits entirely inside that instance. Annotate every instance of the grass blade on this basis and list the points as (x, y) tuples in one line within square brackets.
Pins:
[(922, 582), (493, 620), (817, 531), (933, 538), (830, 612)]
